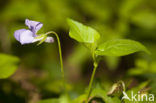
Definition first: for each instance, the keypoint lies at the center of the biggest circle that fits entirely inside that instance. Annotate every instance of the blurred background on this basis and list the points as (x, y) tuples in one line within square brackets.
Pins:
[(38, 73)]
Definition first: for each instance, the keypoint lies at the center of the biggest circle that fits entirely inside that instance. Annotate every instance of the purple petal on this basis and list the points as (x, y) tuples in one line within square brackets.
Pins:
[(26, 37), (17, 34), (49, 40), (34, 26)]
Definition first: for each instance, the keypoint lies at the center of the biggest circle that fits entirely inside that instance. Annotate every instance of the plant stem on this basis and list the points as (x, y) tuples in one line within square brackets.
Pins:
[(92, 78), (61, 60)]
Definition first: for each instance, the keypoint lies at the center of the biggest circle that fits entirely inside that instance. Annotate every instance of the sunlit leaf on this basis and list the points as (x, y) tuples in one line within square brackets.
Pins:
[(82, 33), (120, 47), (8, 65)]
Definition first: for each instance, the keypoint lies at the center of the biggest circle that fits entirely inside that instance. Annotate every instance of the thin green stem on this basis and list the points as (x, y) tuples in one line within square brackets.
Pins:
[(92, 78), (61, 60), (91, 82)]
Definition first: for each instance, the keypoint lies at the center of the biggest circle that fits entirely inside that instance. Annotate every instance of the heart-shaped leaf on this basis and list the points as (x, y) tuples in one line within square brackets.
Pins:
[(8, 65), (120, 47), (82, 33)]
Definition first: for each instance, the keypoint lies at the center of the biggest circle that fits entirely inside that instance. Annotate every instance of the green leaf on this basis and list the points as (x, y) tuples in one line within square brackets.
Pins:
[(98, 92), (8, 65), (140, 87), (120, 47), (61, 99), (80, 99), (82, 33)]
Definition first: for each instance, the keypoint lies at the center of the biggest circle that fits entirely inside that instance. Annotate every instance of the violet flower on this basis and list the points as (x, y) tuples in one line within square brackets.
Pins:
[(27, 36)]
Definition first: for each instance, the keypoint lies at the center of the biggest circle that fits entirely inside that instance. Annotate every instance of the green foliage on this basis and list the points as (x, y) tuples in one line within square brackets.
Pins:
[(140, 19), (142, 67), (128, 7), (97, 93), (103, 94), (62, 99), (113, 19), (140, 88), (119, 47), (117, 89), (8, 65), (80, 99), (82, 33)]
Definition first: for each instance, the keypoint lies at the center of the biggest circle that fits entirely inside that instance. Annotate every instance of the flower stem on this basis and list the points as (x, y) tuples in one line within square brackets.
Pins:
[(92, 78), (61, 60)]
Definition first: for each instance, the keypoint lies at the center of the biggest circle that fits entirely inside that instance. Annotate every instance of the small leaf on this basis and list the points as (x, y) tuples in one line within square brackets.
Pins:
[(82, 33), (120, 47), (8, 65)]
